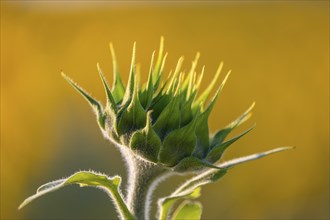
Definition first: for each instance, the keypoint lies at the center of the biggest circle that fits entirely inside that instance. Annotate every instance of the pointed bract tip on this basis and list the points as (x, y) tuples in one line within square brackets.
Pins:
[(251, 106), (133, 55), (112, 51), (221, 64), (226, 77), (63, 74), (20, 206), (288, 147), (236, 161), (68, 79)]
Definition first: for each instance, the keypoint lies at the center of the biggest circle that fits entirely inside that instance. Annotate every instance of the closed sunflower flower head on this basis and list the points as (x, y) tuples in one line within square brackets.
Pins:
[(164, 121)]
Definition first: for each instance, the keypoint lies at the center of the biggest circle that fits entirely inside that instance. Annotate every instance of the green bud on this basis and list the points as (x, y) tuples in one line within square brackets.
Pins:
[(163, 121)]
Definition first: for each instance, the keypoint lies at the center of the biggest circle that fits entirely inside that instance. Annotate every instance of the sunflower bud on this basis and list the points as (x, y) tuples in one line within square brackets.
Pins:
[(163, 121)]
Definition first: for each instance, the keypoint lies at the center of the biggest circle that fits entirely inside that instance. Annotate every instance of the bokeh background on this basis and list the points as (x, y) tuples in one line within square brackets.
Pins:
[(279, 54)]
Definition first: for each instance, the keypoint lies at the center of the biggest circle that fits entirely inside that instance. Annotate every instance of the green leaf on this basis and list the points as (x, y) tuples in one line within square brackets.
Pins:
[(118, 88), (240, 160), (216, 152), (146, 142), (87, 178), (134, 117), (188, 210), (178, 144), (165, 204), (220, 136), (192, 164), (97, 107)]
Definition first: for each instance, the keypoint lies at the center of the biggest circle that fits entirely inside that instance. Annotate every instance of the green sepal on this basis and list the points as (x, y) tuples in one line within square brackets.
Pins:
[(188, 85), (194, 89), (110, 100), (178, 144), (159, 94), (147, 94), (199, 80), (159, 104), (87, 178), (169, 118), (160, 73), (216, 152), (202, 98), (202, 128), (97, 107), (188, 210), (146, 142), (133, 117), (111, 123), (186, 82), (174, 77), (131, 80), (118, 88), (186, 112), (220, 136), (156, 75)]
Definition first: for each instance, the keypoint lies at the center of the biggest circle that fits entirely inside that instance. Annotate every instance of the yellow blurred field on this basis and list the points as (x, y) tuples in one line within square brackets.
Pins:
[(279, 57)]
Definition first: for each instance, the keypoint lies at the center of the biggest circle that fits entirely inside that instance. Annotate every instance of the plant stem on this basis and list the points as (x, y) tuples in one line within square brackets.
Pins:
[(119, 203), (142, 180)]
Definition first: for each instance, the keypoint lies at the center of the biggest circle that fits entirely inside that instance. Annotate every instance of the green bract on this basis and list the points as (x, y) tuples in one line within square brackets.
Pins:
[(161, 129)]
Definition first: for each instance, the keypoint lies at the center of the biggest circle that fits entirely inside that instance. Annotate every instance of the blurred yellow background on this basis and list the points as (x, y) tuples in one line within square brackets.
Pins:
[(279, 54)]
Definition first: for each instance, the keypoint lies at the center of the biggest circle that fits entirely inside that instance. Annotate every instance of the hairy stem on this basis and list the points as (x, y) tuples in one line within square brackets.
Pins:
[(122, 209), (142, 180)]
